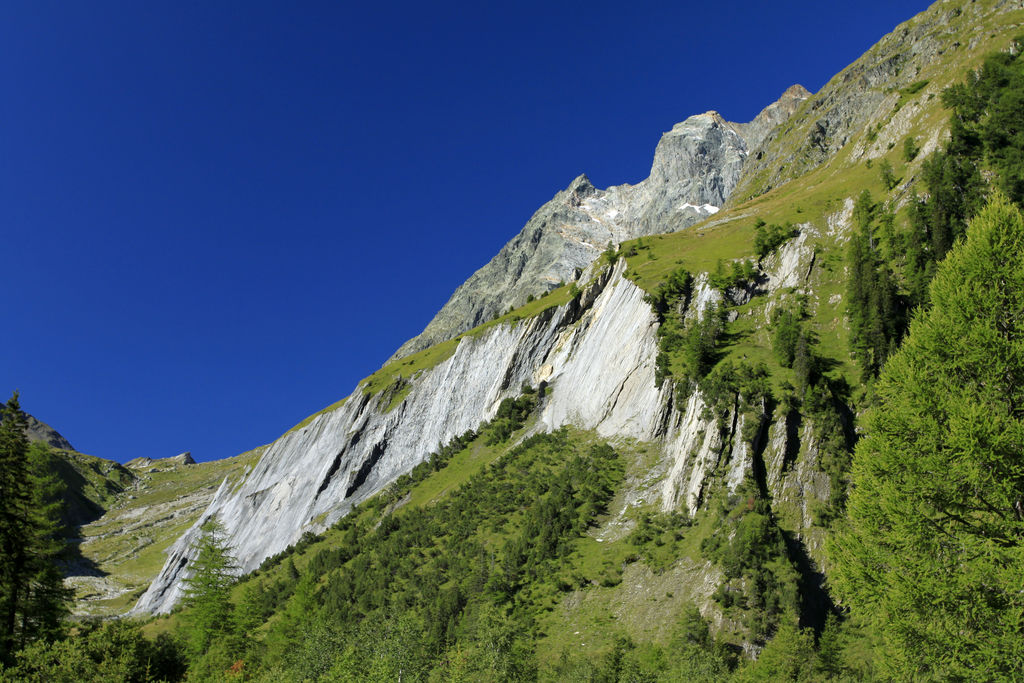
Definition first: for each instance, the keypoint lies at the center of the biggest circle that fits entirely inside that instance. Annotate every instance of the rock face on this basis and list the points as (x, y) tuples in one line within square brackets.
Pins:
[(696, 166), (597, 354), (313, 475)]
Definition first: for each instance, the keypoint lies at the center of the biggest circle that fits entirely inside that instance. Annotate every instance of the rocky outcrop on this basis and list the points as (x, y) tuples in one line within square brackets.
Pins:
[(597, 355), (596, 352), (772, 116), (161, 463), (696, 166)]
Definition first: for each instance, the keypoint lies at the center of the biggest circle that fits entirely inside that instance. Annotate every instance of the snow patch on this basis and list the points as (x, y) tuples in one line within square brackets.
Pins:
[(707, 209)]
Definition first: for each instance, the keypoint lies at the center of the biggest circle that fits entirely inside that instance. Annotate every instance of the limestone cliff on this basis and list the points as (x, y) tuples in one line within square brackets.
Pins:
[(597, 353), (696, 165)]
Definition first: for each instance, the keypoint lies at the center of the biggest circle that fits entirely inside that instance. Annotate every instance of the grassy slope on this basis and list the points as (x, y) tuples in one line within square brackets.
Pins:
[(815, 196), (619, 592), (126, 545)]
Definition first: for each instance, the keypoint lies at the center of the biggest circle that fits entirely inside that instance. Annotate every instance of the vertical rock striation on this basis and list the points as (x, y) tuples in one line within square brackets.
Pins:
[(597, 353)]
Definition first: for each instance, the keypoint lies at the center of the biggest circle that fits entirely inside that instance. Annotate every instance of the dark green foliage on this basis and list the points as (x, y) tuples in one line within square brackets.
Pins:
[(672, 294), (986, 134), (932, 554), (207, 590), (611, 255), (669, 301), (690, 655), (988, 119), (825, 403), (759, 579), (789, 656), (455, 576), (736, 274), (875, 308), (698, 343), (886, 175), (910, 149), (768, 238), (657, 537), (786, 330), (33, 600), (111, 652), (740, 385), (914, 88), (511, 416)]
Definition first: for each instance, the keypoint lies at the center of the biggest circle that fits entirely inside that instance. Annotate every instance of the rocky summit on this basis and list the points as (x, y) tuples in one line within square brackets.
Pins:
[(696, 166)]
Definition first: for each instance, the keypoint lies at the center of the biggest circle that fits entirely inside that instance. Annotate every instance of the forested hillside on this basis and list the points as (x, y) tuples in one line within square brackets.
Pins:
[(828, 483)]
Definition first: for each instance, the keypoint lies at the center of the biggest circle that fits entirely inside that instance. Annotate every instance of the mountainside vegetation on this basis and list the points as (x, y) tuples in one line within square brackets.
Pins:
[(33, 600), (850, 327)]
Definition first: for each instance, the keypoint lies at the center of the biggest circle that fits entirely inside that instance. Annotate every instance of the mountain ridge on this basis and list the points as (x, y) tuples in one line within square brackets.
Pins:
[(695, 164), (351, 446)]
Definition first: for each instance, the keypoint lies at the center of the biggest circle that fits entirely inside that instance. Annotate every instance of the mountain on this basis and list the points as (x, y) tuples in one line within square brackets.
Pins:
[(571, 342), (119, 519), (42, 432), (604, 352), (696, 165), (120, 547)]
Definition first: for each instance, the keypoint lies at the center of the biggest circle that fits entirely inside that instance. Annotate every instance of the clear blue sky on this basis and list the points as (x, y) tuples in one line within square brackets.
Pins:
[(219, 216)]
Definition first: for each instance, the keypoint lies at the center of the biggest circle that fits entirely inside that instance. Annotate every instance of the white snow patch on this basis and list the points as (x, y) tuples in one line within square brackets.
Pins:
[(708, 209)]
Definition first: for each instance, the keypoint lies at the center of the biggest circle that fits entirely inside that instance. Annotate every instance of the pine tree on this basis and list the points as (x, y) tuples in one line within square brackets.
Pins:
[(932, 551)]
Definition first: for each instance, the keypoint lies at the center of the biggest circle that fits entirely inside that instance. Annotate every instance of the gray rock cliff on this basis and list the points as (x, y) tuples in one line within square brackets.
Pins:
[(696, 166), (597, 354)]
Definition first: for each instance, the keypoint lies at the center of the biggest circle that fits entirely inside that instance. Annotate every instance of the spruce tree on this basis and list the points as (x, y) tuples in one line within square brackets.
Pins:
[(46, 597), (15, 497), (933, 548), (33, 600)]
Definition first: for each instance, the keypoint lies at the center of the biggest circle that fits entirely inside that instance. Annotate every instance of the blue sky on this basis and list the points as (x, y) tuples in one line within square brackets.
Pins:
[(219, 216)]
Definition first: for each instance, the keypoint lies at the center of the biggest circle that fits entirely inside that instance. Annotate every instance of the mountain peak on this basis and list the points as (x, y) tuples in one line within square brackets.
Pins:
[(755, 131), (795, 92)]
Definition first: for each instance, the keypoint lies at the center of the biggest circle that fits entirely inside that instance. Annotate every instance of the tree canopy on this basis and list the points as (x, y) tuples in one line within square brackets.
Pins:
[(934, 546)]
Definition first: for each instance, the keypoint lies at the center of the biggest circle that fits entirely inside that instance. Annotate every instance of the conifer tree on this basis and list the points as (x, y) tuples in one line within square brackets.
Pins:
[(33, 600), (15, 498), (932, 551), (207, 588)]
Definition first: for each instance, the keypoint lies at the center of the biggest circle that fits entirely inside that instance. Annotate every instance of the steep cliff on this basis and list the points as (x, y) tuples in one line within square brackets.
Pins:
[(313, 475), (597, 354), (696, 165)]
